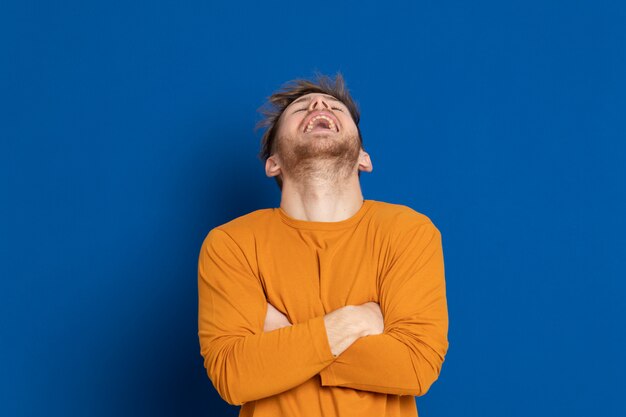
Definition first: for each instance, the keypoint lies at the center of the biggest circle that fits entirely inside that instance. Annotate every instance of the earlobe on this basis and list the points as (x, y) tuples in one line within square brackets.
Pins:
[(272, 168), (365, 163)]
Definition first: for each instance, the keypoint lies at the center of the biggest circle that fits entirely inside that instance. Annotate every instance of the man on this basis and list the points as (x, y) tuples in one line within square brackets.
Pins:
[(330, 304)]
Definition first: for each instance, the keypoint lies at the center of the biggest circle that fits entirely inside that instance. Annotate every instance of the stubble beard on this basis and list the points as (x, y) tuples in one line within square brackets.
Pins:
[(319, 157)]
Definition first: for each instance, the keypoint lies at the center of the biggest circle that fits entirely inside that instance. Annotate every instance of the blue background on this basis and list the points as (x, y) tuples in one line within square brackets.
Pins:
[(128, 133)]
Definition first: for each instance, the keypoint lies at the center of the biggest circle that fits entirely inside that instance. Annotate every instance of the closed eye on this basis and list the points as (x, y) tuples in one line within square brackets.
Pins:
[(333, 108)]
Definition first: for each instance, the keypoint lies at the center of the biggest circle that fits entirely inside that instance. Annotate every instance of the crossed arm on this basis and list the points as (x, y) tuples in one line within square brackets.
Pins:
[(343, 326), (246, 364)]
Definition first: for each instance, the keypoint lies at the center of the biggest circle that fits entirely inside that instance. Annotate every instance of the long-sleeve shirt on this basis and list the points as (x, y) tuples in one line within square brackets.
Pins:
[(385, 253)]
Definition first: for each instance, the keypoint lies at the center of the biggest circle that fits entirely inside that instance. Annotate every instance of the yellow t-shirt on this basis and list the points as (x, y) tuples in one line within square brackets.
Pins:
[(386, 253)]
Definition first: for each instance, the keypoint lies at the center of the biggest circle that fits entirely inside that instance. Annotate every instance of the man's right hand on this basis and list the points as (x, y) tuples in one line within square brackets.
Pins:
[(346, 324), (343, 326)]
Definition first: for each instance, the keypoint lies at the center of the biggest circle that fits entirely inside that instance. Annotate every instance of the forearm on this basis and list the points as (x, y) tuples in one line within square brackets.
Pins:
[(385, 363), (407, 358), (247, 368), (254, 366)]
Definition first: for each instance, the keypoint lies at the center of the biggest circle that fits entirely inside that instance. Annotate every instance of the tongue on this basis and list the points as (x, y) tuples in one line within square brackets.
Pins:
[(321, 125)]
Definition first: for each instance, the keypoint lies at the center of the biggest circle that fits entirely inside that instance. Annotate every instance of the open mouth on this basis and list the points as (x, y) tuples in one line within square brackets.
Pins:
[(321, 123)]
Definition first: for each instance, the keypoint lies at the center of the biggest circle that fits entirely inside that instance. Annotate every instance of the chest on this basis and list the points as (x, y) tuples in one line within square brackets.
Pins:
[(309, 275)]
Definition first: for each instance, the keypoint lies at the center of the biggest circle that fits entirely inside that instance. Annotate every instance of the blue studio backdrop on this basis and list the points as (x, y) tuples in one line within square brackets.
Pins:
[(127, 133)]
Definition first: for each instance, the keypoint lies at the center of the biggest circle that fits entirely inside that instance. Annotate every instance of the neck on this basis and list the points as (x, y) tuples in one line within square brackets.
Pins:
[(322, 199)]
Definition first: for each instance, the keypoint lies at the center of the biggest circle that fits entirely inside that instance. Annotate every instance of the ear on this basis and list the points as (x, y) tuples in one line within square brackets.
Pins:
[(272, 166), (365, 164)]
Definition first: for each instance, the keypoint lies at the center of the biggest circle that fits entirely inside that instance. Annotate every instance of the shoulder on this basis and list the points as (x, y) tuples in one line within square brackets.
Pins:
[(240, 231), (399, 217), (249, 222), (408, 230)]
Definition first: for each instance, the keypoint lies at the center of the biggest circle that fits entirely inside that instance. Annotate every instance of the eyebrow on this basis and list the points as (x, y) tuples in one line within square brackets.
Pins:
[(309, 98)]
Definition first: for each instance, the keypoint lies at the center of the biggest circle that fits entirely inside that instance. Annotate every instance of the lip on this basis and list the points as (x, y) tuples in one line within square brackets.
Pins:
[(317, 113)]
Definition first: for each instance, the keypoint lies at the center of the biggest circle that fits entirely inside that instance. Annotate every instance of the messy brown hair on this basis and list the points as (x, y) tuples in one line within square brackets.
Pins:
[(290, 91)]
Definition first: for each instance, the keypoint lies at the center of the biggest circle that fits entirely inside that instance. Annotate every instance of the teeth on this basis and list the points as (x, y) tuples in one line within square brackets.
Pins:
[(331, 124)]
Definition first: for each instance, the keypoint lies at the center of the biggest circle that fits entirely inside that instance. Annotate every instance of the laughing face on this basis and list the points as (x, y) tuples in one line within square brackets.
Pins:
[(317, 137)]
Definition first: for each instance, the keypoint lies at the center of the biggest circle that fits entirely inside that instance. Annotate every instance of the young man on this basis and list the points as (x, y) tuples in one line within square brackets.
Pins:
[(330, 304)]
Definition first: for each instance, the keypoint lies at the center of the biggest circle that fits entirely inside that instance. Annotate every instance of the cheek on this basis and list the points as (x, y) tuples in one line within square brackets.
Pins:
[(348, 124), (280, 128), (289, 126)]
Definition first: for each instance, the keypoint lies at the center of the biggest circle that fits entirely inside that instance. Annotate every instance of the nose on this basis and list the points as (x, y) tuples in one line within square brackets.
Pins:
[(318, 102)]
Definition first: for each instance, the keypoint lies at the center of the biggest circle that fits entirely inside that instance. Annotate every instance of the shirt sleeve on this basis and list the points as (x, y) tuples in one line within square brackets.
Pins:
[(407, 358), (243, 362)]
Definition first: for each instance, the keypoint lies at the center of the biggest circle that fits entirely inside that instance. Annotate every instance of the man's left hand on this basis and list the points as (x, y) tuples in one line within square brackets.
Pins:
[(274, 319)]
